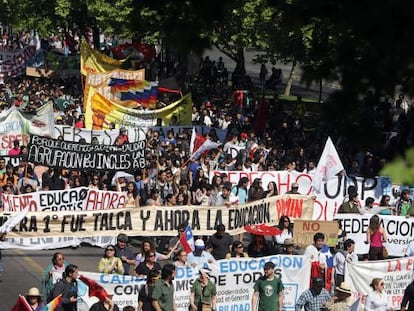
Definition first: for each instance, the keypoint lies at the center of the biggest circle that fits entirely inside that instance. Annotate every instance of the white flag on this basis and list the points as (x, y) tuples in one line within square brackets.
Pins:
[(192, 140), (13, 220), (328, 166)]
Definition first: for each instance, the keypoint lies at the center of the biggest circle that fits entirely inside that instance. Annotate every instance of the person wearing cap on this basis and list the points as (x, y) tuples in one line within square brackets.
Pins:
[(124, 252), (34, 298), (342, 300), (237, 251), (145, 293), (107, 304), (288, 247), (340, 260), (203, 293), (268, 290), (199, 256), (294, 189), (313, 298)]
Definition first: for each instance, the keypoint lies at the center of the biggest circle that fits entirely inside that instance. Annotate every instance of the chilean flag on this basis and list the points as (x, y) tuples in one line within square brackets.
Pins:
[(187, 240)]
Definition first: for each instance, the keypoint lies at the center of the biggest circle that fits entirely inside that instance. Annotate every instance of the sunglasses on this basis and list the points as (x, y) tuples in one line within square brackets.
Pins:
[(152, 255), (110, 249), (381, 284)]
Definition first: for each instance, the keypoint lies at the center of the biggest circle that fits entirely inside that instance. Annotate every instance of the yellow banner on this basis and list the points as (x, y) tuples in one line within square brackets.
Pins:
[(101, 113), (94, 61), (160, 220)]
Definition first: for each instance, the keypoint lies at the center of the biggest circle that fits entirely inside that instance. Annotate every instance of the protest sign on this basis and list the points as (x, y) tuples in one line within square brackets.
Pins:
[(40, 242), (157, 221), (399, 231), (234, 279), (107, 137), (396, 273), (75, 199), (332, 193), (15, 66), (304, 230), (16, 124), (69, 155)]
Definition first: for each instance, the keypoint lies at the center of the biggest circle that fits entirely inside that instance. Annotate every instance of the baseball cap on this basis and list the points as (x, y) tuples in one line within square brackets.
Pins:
[(122, 237), (199, 243)]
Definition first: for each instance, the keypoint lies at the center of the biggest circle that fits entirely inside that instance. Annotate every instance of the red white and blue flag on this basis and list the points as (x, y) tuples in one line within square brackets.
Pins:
[(187, 240)]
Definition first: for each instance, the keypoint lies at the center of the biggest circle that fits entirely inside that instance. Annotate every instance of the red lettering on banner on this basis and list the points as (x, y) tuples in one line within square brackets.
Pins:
[(98, 200), (396, 300), (14, 203), (409, 264), (394, 266), (309, 182), (283, 183), (290, 207)]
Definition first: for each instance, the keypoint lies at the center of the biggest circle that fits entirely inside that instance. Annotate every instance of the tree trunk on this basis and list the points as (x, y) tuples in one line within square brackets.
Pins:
[(289, 81)]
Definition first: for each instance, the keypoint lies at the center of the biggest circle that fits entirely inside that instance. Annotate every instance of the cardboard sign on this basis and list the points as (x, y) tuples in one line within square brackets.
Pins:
[(304, 230)]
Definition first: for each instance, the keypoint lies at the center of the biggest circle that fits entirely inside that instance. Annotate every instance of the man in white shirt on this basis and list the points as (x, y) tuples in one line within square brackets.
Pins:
[(226, 197), (342, 257), (200, 257)]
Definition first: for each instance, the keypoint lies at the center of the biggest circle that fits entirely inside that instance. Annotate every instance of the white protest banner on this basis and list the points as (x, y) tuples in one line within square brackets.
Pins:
[(399, 230), (329, 200), (39, 243), (234, 279), (158, 220), (75, 199), (18, 125), (397, 274), (69, 155)]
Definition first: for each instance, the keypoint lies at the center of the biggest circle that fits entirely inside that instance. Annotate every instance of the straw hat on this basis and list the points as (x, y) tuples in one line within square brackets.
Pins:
[(344, 288), (34, 292), (288, 242)]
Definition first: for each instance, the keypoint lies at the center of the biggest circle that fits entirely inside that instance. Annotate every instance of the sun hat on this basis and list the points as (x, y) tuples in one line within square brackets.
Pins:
[(199, 243), (289, 241), (34, 292), (344, 287)]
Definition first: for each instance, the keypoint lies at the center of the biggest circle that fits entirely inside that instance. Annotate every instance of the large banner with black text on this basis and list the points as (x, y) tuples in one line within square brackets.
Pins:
[(399, 231), (157, 220), (69, 155)]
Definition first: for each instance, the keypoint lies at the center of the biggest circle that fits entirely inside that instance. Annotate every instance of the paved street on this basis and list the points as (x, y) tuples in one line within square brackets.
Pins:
[(23, 269)]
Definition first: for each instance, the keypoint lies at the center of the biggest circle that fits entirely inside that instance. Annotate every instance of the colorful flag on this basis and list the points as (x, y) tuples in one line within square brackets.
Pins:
[(205, 146), (52, 305), (95, 289), (329, 166), (21, 305), (187, 240)]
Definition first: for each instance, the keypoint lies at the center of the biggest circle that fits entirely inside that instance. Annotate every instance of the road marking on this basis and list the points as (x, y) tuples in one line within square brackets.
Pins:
[(30, 261)]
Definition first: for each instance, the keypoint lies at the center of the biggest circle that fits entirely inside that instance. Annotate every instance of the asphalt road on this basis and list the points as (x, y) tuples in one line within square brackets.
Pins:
[(23, 269)]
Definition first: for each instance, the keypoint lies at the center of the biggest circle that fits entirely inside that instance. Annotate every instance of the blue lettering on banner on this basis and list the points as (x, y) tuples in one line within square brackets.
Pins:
[(287, 262), (184, 273), (119, 279)]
